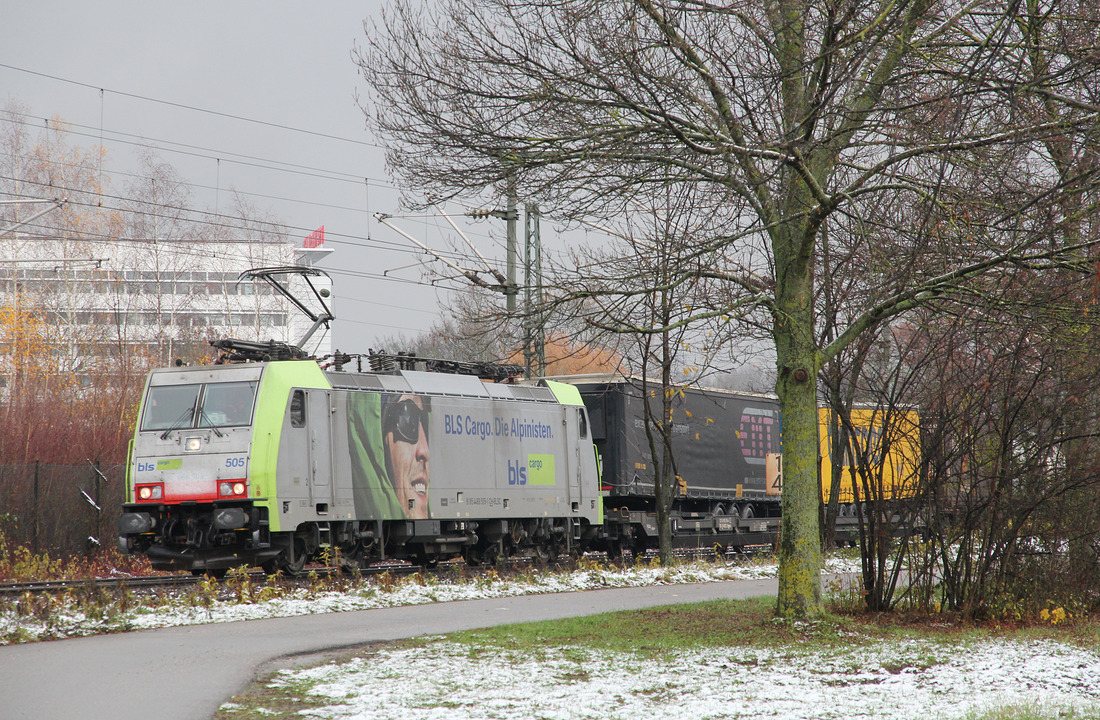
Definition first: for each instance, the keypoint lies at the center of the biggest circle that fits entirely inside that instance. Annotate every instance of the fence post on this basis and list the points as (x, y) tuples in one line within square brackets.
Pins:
[(35, 508), (98, 502)]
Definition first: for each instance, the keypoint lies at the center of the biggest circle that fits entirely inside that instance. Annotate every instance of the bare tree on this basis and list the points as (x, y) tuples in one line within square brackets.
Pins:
[(639, 291), (1009, 400), (790, 113)]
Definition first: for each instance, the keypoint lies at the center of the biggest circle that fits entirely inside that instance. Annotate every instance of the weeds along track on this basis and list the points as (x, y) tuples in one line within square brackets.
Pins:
[(328, 574), (169, 581)]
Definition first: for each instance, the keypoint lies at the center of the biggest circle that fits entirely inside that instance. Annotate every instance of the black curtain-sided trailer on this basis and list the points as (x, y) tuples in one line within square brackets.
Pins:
[(726, 444)]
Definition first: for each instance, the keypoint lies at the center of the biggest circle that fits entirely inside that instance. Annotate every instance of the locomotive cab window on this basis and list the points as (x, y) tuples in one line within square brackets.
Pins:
[(170, 407), (298, 409), (180, 407), (583, 424), (227, 404)]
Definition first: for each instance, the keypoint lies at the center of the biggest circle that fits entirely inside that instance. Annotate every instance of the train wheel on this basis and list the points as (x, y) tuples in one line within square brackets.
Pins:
[(350, 563), (288, 567), (486, 556), (544, 553), (621, 548)]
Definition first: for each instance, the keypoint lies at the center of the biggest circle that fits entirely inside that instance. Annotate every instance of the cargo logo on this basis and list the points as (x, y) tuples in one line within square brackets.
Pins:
[(539, 470), (173, 464), (517, 473)]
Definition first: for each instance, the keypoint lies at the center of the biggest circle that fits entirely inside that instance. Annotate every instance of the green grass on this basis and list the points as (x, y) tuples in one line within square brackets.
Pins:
[(654, 633), (649, 632), (1034, 712), (752, 623)]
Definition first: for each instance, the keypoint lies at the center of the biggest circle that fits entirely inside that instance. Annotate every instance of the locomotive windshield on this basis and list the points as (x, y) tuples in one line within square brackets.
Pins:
[(178, 407)]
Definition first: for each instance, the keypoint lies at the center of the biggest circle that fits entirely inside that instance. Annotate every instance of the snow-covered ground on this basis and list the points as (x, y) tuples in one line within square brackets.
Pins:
[(444, 680), (907, 679)]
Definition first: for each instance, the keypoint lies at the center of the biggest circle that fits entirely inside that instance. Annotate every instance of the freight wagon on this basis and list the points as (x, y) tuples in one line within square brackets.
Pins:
[(727, 449)]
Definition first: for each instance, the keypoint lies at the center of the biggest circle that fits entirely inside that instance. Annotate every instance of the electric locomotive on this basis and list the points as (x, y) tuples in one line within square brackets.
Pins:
[(273, 463)]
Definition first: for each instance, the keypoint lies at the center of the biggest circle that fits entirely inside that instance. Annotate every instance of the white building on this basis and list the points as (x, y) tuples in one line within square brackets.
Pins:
[(157, 299)]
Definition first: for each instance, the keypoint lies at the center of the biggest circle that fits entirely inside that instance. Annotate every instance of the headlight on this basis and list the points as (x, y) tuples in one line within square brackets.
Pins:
[(150, 492), (192, 444), (232, 489)]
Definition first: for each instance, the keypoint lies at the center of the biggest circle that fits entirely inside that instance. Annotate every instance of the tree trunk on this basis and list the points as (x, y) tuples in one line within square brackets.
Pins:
[(800, 542), (796, 385)]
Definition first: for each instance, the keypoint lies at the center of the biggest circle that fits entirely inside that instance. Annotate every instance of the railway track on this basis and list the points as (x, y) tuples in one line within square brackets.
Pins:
[(61, 586), (154, 582), (178, 580)]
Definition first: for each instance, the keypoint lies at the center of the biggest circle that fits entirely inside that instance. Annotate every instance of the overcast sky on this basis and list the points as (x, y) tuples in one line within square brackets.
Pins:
[(254, 97)]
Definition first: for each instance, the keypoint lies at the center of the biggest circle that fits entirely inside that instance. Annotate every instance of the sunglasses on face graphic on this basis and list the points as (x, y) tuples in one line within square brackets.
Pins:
[(404, 420)]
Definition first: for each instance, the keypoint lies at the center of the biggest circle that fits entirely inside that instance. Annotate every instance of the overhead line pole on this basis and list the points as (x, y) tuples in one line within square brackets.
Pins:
[(534, 340), (512, 216)]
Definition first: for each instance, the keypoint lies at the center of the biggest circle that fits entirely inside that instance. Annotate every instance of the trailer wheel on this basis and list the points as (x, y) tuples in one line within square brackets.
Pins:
[(617, 548), (487, 555)]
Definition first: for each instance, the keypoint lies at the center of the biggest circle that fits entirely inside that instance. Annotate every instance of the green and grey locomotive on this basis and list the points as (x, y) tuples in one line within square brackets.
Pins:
[(275, 463)]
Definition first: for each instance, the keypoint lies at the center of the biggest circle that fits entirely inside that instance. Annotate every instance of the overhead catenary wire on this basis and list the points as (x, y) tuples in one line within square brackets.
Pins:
[(184, 106), (227, 222), (167, 206), (218, 219), (218, 155)]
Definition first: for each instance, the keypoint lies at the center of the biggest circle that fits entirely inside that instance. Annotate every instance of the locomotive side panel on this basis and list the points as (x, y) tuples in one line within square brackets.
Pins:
[(312, 484), (502, 459), (281, 439), (419, 456)]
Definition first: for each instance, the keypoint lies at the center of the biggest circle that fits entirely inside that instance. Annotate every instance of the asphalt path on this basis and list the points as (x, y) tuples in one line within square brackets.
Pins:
[(186, 673)]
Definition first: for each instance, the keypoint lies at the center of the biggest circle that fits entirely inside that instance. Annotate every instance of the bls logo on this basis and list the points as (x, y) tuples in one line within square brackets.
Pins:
[(517, 473), (146, 467)]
